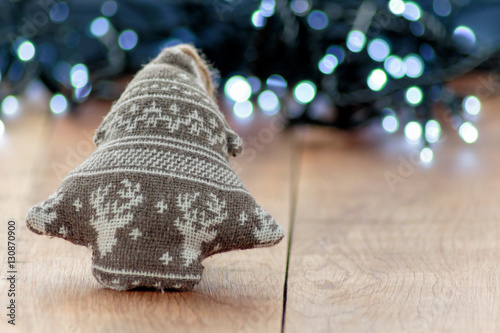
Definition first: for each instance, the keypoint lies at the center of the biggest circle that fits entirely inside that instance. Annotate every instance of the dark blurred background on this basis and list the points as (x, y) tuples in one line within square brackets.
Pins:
[(334, 63)]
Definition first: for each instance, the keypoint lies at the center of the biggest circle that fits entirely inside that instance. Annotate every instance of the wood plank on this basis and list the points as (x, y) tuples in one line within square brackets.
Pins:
[(419, 257), (240, 291)]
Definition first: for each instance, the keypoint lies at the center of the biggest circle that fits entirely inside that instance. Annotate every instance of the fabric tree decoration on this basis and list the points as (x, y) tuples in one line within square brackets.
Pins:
[(158, 196)]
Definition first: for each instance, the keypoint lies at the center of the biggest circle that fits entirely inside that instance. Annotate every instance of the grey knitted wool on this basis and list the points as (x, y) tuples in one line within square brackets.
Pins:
[(157, 196)]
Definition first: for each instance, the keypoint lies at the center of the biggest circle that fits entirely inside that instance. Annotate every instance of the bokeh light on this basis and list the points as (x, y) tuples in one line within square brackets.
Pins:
[(317, 20), (304, 92), (413, 131), (356, 41), (300, 7), (26, 51), (243, 109), (99, 26), (337, 52), (397, 7), (390, 123), (267, 8), (471, 105), (254, 82), (378, 49), (464, 36), (412, 11), (394, 65), (468, 132), (414, 96), (58, 104), (128, 39), (432, 131), (258, 20), (109, 8), (10, 105), (79, 75), (238, 89), (441, 7), (59, 12), (377, 80), (426, 155), (414, 65), (328, 64), (277, 84), (268, 102)]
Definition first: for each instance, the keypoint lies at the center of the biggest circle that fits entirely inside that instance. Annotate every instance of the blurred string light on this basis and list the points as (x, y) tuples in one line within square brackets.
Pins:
[(2, 128), (395, 66), (268, 102), (412, 11), (26, 51), (304, 92), (414, 96), (390, 122), (79, 75), (10, 105), (243, 109), (432, 131), (317, 20), (414, 65), (426, 155), (128, 40), (413, 131), (356, 41), (238, 89), (99, 26), (397, 7), (58, 104), (59, 12), (273, 93), (377, 80), (109, 8), (378, 49), (471, 105), (300, 7), (468, 132), (328, 64)]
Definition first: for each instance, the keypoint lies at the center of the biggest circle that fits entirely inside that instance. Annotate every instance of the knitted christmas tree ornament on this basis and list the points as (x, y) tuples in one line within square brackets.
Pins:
[(158, 196)]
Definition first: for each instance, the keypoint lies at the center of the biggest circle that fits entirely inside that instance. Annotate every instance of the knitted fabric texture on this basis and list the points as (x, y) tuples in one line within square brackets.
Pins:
[(158, 196)]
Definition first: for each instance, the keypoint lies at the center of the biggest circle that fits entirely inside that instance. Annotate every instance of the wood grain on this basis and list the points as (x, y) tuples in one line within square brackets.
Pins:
[(421, 256), (240, 291)]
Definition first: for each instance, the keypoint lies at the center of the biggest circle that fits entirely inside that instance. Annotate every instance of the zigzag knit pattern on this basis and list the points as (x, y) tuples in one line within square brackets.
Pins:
[(158, 196)]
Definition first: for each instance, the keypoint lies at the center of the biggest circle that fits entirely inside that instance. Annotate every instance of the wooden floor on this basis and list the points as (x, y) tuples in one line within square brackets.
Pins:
[(375, 241)]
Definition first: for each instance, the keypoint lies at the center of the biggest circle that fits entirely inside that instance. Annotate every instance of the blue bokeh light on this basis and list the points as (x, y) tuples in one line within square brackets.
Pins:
[(59, 12), (317, 20), (356, 41), (379, 49), (128, 39), (268, 102), (304, 92), (99, 26)]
